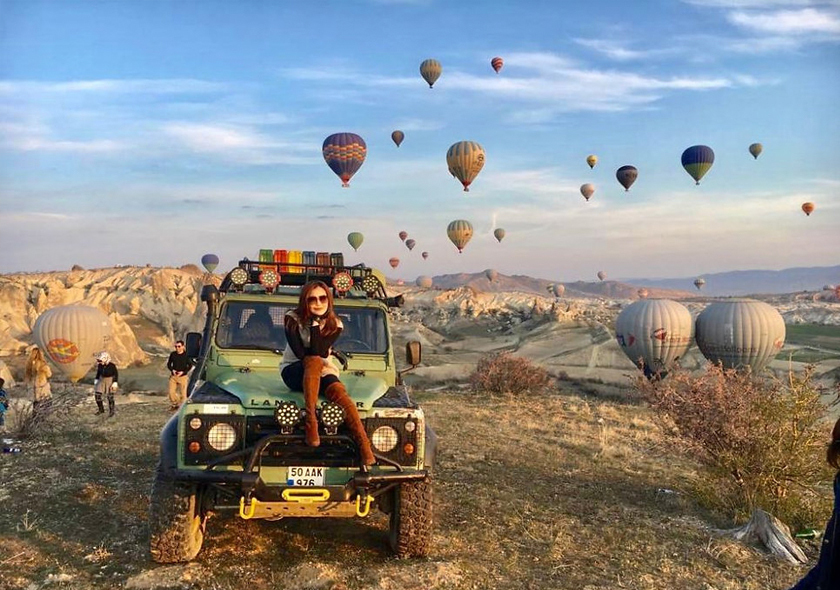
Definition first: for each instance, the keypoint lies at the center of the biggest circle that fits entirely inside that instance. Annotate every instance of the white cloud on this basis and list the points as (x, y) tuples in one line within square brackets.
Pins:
[(618, 52), (239, 144), (172, 86), (788, 22)]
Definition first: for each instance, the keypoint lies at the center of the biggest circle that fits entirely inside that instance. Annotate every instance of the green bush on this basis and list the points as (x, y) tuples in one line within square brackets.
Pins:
[(504, 373), (762, 441)]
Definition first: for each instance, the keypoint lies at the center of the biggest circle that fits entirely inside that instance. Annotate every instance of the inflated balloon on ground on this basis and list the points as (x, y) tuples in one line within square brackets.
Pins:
[(740, 333), (654, 333), (71, 336), (424, 282)]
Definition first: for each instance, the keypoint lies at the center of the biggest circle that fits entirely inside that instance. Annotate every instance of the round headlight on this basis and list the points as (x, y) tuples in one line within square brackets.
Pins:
[(287, 413), (195, 423), (410, 426), (332, 415), (239, 276), (221, 437), (384, 439)]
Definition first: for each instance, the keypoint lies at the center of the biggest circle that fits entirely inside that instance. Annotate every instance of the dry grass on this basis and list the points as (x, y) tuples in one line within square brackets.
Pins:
[(544, 491)]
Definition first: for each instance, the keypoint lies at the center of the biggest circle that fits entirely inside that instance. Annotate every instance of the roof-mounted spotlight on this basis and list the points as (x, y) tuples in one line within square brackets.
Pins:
[(239, 276), (269, 279), (370, 285), (342, 282)]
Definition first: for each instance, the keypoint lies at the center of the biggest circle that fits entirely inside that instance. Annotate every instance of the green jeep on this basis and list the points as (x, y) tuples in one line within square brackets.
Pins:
[(237, 444)]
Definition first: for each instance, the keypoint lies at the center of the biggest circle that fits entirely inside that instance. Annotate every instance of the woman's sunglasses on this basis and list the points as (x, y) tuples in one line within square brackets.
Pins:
[(316, 299)]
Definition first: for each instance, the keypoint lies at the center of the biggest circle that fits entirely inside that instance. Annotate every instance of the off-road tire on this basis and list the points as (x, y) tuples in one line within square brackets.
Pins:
[(410, 532), (176, 523)]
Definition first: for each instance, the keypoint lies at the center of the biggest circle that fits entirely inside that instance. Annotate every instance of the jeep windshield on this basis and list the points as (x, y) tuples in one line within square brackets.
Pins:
[(259, 325)]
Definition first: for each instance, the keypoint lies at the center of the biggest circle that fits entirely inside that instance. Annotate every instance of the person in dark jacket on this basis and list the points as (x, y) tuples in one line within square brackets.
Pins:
[(311, 330), (105, 382), (179, 365), (826, 574)]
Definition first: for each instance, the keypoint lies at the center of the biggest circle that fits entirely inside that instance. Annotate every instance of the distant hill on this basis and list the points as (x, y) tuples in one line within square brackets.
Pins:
[(579, 289), (753, 282)]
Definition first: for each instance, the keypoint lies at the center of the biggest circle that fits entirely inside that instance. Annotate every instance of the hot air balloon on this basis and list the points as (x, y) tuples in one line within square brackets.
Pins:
[(499, 234), (756, 149), (394, 262), (459, 231), (491, 274), (550, 287), (403, 235), (355, 240), (740, 333), (410, 244), (642, 293), (591, 159), (397, 137), (425, 255), (626, 176), (430, 69), (654, 333), (71, 336), (697, 160), (465, 160), (602, 275), (210, 262), (497, 63), (424, 282), (587, 190), (808, 208), (558, 289), (344, 153), (699, 283)]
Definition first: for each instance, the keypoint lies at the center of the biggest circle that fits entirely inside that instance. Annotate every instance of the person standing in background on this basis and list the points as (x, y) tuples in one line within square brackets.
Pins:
[(38, 373), (105, 382), (4, 405), (179, 365)]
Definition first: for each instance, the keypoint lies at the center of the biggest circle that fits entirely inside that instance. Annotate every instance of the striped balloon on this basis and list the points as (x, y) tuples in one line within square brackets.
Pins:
[(460, 232), (465, 160), (497, 63), (697, 160), (344, 153), (430, 69)]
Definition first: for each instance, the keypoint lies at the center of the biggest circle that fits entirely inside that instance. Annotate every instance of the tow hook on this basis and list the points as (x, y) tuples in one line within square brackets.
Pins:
[(363, 498), (252, 507)]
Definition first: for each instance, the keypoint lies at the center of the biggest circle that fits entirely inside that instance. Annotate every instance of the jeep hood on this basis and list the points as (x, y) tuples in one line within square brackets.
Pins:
[(263, 389)]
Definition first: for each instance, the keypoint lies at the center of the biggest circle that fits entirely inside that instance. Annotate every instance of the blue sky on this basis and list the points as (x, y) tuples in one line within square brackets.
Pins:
[(157, 131)]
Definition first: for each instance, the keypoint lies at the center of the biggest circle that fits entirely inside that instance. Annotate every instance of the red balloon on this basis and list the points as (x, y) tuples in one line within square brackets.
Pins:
[(497, 63)]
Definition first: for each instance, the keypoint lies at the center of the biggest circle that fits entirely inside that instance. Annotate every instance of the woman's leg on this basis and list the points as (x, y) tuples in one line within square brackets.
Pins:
[(336, 392), (312, 366)]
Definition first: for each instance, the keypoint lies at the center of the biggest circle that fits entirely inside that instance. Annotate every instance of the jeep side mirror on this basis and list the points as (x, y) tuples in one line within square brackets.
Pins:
[(193, 344), (413, 353)]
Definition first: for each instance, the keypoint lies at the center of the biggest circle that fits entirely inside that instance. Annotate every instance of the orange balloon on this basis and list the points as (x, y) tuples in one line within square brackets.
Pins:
[(808, 208)]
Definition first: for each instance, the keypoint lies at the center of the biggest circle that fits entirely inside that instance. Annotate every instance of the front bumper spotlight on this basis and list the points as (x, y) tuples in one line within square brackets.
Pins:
[(332, 415), (287, 414)]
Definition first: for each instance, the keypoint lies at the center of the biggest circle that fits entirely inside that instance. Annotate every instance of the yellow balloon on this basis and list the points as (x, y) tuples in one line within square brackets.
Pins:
[(465, 160), (592, 160), (431, 69), (460, 232)]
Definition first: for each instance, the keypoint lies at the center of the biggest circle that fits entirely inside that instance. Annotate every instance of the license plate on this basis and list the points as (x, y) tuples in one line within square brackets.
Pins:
[(305, 476)]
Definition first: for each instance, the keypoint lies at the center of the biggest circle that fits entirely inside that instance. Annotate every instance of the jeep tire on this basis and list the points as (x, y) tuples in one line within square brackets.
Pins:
[(410, 532), (176, 522)]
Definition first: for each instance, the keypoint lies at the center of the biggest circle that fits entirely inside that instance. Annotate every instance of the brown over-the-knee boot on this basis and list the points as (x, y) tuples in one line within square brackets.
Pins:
[(312, 366), (337, 393)]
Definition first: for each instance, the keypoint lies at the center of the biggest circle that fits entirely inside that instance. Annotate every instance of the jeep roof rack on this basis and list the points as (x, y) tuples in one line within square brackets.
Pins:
[(268, 276)]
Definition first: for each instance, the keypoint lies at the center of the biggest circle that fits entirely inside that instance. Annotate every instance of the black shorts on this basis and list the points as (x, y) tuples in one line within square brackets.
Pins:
[(293, 378)]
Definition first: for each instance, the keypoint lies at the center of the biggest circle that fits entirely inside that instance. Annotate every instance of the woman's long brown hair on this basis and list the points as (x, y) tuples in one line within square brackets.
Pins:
[(329, 321), (34, 363), (832, 455)]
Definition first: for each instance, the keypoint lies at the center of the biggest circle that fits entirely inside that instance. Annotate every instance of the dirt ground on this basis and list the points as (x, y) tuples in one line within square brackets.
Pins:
[(578, 489)]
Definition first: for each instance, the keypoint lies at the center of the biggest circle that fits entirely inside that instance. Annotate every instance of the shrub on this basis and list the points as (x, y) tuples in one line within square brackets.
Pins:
[(505, 373), (761, 441), (29, 421)]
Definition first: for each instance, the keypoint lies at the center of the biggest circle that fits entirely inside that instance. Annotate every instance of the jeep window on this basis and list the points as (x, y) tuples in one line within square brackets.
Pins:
[(364, 330), (252, 324), (259, 325)]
